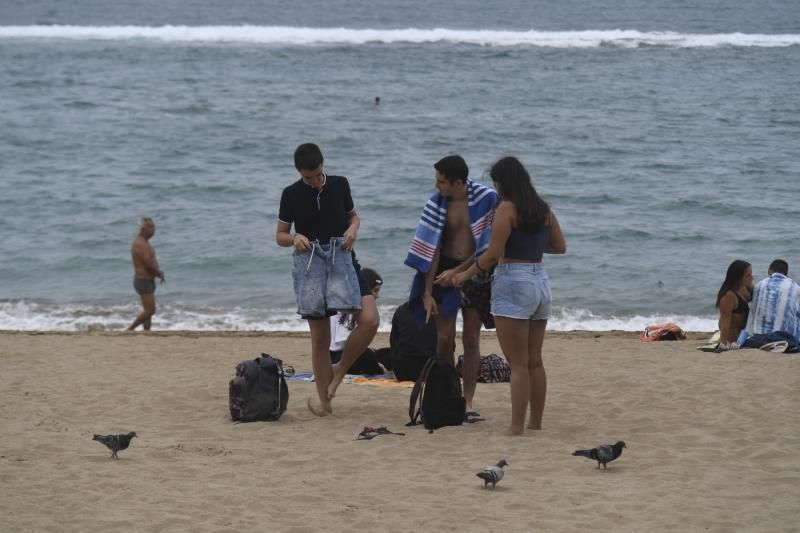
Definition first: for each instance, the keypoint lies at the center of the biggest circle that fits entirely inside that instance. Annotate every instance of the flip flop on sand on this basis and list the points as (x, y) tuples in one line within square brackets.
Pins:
[(369, 433), (777, 346), (711, 347), (473, 416)]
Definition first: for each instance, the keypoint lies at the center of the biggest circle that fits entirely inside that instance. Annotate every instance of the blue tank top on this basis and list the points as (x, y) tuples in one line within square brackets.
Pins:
[(527, 246)]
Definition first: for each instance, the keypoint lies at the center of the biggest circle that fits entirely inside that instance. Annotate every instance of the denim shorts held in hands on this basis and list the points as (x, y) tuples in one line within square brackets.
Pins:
[(325, 280), (521, 290)]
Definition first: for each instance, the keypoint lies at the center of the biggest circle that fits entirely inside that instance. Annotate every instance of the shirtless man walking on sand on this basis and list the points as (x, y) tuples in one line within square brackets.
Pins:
[(145, 272)]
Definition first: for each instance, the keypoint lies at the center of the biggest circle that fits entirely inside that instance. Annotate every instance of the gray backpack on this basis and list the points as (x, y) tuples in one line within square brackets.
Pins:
[(258, 391)]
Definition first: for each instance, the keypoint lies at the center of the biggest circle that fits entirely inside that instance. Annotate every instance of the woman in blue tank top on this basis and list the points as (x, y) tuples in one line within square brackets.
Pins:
[(524, 229)]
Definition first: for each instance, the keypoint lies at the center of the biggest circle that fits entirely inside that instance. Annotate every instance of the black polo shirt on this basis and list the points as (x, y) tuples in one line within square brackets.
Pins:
[(319, 214)]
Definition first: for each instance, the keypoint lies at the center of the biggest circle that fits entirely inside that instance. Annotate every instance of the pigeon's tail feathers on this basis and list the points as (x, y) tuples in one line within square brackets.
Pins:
[(486, 476), (583, 453)]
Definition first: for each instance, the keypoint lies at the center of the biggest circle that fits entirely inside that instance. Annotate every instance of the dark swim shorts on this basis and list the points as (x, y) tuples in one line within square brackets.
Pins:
[(475, 294), (144, 286)]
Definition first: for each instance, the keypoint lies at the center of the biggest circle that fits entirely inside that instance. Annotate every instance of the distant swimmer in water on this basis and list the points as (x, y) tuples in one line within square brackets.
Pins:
[(377, 100)]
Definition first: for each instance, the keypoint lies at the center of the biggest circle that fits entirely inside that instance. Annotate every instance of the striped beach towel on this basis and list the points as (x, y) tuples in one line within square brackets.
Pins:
[(481, 202), (775, 306)]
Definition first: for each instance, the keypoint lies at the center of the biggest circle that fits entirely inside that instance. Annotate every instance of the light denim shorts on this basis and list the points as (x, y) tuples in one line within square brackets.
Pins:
[(521, 290), (325, 280)]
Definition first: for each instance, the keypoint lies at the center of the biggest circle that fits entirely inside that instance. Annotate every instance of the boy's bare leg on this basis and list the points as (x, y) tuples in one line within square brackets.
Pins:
[(321, 364), (471, 338), (367, 321)]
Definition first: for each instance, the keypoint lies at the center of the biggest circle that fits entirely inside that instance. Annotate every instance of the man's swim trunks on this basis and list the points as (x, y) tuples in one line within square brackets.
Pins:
[(144, 286), (475, 294)]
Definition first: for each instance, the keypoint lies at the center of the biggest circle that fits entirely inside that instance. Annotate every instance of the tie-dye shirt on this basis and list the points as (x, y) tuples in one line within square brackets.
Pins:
[(775, 306)]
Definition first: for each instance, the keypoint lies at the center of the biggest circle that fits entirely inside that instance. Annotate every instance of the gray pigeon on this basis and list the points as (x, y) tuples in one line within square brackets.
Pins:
[(492, 474), (115, 443), (602, 454)]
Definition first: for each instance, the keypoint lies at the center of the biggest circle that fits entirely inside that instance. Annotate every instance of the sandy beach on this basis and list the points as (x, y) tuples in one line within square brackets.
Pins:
[(713, 442)]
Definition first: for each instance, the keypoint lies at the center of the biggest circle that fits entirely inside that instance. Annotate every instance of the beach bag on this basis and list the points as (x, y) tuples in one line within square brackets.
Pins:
[(662, 332), (494, 369), (258, 391), (437, 399)]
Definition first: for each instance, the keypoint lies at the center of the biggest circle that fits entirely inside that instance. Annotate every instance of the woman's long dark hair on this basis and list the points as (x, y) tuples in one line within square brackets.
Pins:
[(732, 278), (516, 186)]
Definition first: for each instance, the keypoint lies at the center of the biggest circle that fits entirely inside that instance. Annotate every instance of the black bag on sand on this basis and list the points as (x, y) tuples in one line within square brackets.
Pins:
[(410, 345), (436, 399), (259, 391)]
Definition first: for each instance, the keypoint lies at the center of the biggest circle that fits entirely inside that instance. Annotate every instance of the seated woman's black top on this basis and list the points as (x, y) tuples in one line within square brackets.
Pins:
[(742, 307)]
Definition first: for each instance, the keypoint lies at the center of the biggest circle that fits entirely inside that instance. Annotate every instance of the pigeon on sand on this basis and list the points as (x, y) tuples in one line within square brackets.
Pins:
[(602, 454), (492, 474), (115, 443)]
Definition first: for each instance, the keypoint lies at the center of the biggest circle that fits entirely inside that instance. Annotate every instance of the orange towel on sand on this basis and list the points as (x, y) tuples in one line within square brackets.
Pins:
[(384, 382)]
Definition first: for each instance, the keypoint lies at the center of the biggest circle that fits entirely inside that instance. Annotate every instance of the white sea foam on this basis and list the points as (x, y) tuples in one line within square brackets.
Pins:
[(31, 316), (299, 36)]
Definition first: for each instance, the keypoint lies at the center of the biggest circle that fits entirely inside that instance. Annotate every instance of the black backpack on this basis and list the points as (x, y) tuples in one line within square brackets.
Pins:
[(410, 344), (438, 393), (259, 391)]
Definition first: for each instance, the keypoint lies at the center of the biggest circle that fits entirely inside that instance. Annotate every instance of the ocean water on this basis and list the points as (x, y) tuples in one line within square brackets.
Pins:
[(665, 137)]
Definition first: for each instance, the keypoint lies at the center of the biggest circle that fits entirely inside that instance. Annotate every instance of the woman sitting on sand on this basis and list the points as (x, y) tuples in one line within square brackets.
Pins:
[(524, 229), (733, 302)]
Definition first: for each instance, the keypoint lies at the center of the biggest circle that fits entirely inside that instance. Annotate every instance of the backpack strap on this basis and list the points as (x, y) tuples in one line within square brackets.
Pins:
[(416, 392), (274, 365)]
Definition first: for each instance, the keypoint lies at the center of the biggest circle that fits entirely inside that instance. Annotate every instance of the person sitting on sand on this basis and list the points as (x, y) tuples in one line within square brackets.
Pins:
[(326, 273), (342, 325), (733, 301), (776, 303), (145, 272)]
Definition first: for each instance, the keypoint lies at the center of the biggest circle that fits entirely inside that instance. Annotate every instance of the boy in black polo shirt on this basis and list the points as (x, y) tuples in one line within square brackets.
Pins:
[(326, 273)]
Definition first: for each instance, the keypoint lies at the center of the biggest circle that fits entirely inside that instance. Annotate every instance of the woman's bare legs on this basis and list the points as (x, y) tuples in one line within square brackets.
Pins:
[(537, 376), (513, 335)]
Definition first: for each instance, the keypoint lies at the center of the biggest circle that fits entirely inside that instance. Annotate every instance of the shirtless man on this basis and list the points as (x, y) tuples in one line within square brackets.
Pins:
[(145, 271), (455, 253)]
